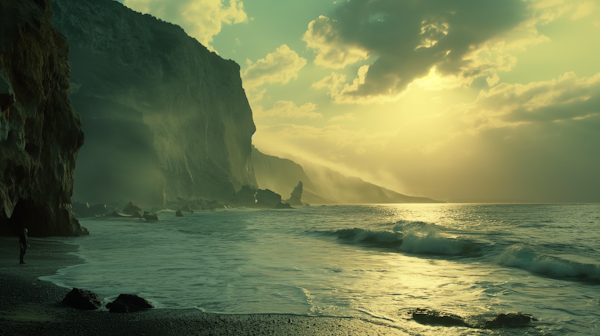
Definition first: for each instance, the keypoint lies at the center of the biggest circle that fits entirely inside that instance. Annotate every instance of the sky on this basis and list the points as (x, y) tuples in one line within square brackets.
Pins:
[(461, 101)]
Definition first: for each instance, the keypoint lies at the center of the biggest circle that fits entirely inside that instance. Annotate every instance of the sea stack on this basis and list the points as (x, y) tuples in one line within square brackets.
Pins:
[(40, 134)]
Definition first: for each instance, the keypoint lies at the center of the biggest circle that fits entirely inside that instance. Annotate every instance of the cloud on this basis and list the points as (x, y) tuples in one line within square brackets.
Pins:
[(584, 9), (493, 80), (332, 50), (405, 40), (287, 109), (566, 98), (280, 66), (201, 19), (535, 142), (343, 117)]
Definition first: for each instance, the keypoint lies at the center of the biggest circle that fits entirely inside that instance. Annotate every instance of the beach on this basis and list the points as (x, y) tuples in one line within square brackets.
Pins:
[(29, 306)]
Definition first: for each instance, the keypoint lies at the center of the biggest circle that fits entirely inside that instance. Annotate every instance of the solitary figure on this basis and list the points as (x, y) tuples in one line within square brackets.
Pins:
[(24, 242)]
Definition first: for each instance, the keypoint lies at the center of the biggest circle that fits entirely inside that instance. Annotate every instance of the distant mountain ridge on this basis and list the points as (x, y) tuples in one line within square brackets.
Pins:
[(322, 185)]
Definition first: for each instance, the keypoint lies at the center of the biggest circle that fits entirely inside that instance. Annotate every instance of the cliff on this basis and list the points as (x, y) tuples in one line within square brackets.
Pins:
[(40, 134), (322, 185), (164, 117)]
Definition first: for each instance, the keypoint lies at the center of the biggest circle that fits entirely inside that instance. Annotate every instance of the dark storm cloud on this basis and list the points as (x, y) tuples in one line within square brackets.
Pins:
[(407, 38)]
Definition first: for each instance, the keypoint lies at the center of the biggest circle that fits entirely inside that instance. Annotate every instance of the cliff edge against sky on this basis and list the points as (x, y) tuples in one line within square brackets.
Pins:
[(164, 117), (40, 134)]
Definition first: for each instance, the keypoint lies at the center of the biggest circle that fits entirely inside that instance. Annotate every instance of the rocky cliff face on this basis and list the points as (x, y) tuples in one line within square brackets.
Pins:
[(166, 117), (40, 134)]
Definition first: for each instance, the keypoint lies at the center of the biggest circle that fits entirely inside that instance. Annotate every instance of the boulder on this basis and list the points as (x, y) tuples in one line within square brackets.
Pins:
[(128, 303), (510, 320), (137, 215), (267, 198), (131, 208), (295, 198), (179, 213), (426, 316), (82, 299)]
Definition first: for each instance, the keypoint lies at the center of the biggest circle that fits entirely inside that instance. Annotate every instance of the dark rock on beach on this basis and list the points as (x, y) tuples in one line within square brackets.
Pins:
[(128, 303), (178, 213), (40, 133), (426, 316), (510, 320), (82, 299), (131, 208)]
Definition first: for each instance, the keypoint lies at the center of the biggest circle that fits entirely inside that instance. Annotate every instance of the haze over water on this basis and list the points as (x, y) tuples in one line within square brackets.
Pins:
[(373, 261)]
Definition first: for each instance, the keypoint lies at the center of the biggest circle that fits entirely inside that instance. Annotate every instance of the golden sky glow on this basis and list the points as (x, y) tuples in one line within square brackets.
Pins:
[(465, 101)]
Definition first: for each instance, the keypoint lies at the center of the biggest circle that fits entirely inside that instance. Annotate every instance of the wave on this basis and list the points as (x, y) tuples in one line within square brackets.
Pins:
[(374, 238), (524, 257), (410, 237)]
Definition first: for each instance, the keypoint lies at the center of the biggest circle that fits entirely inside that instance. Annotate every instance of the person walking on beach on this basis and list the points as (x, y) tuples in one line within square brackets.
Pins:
[(24, 242)]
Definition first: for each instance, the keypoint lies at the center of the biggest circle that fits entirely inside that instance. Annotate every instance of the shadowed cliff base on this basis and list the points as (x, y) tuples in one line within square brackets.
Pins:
[(40, 134)]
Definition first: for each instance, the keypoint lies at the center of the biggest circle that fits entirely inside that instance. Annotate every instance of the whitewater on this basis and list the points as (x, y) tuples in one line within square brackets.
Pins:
[(374, 262)]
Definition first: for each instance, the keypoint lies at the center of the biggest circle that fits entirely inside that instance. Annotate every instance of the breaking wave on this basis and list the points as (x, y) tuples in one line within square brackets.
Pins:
[(528, 258), (411, 237)]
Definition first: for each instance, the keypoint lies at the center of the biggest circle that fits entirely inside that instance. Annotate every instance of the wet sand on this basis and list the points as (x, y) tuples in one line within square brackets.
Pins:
[(29, 306)]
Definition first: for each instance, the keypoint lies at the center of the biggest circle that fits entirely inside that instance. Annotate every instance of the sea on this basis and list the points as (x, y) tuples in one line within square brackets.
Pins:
[(372, 262)]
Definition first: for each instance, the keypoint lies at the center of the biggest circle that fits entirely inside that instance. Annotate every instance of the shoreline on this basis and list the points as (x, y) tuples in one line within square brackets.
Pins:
[(29, 306)]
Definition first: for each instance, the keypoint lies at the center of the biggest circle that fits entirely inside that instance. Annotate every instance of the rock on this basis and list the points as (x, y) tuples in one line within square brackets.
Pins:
[(82, 299), (186, 208), (179, 213), (510, 320), (128, 303), (245, 196), (150, 217), (138, 215), (267, 199), (426, 316), (131, 208), (283, 206), (295, 198), (40, 133)]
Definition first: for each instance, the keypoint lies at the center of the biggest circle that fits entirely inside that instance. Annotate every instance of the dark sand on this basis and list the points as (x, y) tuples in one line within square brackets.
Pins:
[(29, 306)]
